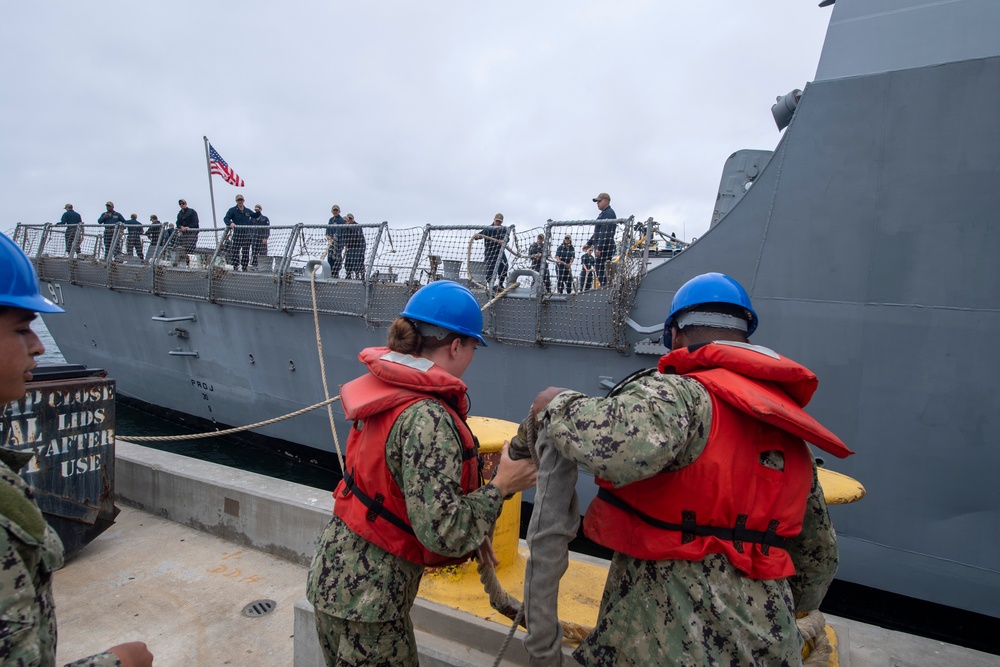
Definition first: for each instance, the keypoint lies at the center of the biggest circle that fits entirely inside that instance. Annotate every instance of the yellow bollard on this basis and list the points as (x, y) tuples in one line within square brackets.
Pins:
[(838, 488), (491, 434)]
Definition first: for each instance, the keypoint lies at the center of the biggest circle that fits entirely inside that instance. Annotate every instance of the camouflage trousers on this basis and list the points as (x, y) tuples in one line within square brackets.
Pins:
[(356, 644)]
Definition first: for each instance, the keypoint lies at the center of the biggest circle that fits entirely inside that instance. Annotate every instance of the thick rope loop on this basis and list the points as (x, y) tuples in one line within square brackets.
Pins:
[(521, 446), (812, 627)]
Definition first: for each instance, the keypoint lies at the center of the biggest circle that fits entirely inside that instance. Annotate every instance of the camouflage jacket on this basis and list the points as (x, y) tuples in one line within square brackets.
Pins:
[(352, 578), (31, 552), (682, 612)]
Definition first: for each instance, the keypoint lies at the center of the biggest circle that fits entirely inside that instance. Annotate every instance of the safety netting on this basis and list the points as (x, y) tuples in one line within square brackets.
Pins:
[(568, 282)]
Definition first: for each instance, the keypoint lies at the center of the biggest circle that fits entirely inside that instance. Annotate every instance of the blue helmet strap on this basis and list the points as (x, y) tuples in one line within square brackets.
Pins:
[(703, 319)]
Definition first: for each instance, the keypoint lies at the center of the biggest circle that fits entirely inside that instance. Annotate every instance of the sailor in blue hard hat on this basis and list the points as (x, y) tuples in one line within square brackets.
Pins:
[(710, 300), (30, 549), (707, 490), (443, 307), (411, 495), (19, 301), (19, 282)]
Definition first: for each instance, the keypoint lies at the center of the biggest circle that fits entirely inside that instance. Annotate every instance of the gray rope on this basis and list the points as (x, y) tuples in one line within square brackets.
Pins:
[(522, 445), (228, 431)]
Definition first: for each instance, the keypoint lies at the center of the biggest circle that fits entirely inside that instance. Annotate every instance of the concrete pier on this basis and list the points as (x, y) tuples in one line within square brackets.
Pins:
[(196, 542)]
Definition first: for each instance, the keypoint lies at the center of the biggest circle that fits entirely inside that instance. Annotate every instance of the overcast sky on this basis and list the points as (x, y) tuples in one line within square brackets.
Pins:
[(415, 113)]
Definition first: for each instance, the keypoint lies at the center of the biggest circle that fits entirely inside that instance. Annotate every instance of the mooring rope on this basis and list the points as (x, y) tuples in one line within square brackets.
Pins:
[(499, 296), (322, 365), (522, 445), (328, 400), (812, 627), (228, 431)]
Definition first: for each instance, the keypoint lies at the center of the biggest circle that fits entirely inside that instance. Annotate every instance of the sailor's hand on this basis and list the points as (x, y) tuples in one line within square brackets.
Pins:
[(133, 654), (486, 555), (544, 398), (523, 442), (513, 476)]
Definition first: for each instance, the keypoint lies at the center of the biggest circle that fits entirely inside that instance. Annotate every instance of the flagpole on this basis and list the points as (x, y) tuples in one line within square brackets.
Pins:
[(211, 192)]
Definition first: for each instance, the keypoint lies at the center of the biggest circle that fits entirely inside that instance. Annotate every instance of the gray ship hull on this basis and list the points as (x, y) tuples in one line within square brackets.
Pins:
[(868, 244)]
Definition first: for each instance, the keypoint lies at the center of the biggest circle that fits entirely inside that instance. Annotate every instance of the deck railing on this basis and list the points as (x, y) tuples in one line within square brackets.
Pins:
[(367, 270)]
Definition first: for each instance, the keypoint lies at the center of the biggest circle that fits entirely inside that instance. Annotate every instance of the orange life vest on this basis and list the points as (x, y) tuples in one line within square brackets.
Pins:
[(727, 501), (368, 499)]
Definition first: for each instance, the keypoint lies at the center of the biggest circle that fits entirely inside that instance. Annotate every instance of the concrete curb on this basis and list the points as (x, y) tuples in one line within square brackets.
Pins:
[(271, 515)]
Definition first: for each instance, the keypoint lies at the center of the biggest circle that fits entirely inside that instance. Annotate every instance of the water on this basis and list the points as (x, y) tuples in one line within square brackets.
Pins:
[(130, 421), (52, 354)]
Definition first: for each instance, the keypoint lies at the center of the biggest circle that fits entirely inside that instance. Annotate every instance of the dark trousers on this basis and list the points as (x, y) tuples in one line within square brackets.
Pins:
[(134, 241), (499, 263), (239, 250), (109, 235), (502, 269), (354, 262), (257, 248), (335, 257), (543, 271), (188, 240), (564, 277), (70, 240), (607, 251)]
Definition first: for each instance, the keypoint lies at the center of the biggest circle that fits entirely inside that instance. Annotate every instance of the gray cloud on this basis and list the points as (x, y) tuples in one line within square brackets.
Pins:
[(412, 113)]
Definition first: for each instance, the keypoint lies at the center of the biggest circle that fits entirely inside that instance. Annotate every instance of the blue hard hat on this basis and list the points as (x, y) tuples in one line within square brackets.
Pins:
[(19, 282), (448, 305), (706, 289)]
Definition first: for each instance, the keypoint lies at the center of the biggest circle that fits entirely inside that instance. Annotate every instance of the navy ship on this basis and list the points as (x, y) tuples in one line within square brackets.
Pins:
[(868, 240)]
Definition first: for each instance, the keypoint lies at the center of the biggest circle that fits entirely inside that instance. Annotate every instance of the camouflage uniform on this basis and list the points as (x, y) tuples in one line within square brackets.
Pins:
[(31, 552), (681, 612), (362, 593)]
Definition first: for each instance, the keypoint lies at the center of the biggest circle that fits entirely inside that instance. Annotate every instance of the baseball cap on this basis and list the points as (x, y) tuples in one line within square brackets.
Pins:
[(603, 195)]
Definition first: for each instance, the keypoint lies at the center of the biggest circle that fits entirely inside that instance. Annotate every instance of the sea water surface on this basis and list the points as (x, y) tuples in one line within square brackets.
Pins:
[(130, 421)]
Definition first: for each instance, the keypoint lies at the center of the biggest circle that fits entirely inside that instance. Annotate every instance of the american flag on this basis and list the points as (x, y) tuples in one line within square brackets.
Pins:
[(219, 166)]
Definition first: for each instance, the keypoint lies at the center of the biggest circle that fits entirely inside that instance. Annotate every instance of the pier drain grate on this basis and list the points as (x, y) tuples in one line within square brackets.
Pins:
[(259, 608)]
